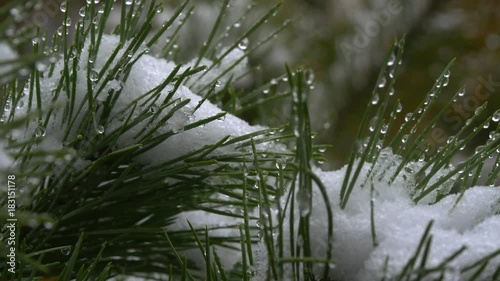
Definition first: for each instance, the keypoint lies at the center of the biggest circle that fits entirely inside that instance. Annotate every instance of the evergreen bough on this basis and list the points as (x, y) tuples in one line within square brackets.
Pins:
[(90, 211)]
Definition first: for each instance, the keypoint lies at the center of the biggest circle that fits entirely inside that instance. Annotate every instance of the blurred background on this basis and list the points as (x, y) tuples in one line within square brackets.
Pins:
[(344, 42)]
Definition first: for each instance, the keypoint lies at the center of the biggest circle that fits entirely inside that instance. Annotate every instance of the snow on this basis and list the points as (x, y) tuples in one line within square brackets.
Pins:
[(399, 224)]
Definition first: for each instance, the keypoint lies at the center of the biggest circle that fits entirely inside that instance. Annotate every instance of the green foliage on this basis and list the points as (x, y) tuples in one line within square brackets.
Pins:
[(111, 215)]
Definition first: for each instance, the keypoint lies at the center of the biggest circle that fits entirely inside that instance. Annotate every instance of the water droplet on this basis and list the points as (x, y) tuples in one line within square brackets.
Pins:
[(40, 132), (67, 22), (20, 104), (404, 139), (237, 25), (384, 129), (63, 7), (94, 76), (486, 125), (408, 116), (265, 91), (128, 2), (274, 81), (218, 83), (243, 44), (478, 110), (375, 99), (391, 60), (309, 74), (373, 124), (101, 9), (159, 10), (391, 73), (391, 92), (446, 80), (479, 149), (66, 250), (447, 73), (382, 82), (304, 204), (82, 11), (100, 129), (461, 93), (399, 108), (496, 116)]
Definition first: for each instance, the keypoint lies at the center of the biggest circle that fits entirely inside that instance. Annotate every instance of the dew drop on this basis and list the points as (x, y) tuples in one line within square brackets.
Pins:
[(66, 250), (373, 124), (67, 22), (304, 204), (265, 91), (100, 129), (243, 44), (20, 104), (447, 73), (309, 77), (128, 2), (391, 92), (274, 81), (384, 129), (399, 108), (404, 139), (237, 25), (408, 116), (496, 116), (391, 60), (382, 82), (63, 7), (159, 10), (218, 83), (391, 73), (375, 99), (461, 93), (82, 12), (446, 81), (94, 76), (40, 132)]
